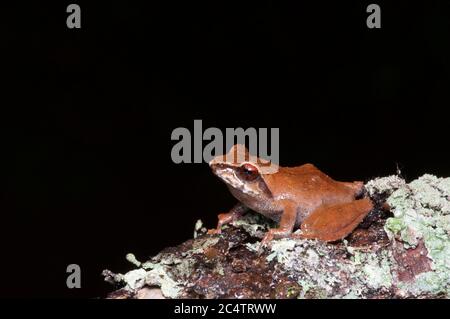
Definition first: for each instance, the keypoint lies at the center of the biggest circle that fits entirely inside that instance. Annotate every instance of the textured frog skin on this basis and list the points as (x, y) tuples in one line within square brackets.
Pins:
[(301, 196)]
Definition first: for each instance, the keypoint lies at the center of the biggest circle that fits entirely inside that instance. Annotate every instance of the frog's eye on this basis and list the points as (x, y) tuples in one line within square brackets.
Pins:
[(249, 172)]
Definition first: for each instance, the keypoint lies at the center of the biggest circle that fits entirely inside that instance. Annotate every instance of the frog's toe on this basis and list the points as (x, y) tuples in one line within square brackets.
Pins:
[(266, 240), (214, 231), (275, 233), (331, 223)]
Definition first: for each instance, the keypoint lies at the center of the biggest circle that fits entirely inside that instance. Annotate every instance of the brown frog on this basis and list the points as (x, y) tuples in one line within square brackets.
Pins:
[(301, 196)]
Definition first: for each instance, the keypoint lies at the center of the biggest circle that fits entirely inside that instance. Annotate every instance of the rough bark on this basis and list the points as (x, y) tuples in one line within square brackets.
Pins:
[(402, 251)]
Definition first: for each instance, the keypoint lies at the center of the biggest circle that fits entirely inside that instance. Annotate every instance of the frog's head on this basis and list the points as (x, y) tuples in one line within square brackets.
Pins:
[(241, 171)]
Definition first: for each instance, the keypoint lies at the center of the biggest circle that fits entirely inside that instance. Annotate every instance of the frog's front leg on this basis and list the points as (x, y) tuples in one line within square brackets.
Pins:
[(237, 211), (286, 225)]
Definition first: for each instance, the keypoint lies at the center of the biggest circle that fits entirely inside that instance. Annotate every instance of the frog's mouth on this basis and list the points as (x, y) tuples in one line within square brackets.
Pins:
[(226, 173)]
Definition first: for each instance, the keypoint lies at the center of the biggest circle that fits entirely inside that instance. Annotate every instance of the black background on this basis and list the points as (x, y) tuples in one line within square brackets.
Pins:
[(87, 116)]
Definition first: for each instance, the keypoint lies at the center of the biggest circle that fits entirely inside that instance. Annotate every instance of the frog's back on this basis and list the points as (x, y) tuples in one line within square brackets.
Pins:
[(306, 170), (307, 184)]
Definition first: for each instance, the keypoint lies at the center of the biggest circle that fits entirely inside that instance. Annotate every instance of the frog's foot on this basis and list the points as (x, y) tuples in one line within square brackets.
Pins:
[(286, 225), (275, 233), (226, 218), (331, 223), (214, 231)]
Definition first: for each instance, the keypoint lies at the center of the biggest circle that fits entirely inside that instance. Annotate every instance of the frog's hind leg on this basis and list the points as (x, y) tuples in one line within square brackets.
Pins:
[(356, 187), (335, 222)]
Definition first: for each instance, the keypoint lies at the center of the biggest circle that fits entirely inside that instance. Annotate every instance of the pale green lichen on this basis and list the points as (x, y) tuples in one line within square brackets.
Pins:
[(280, 250), (160, 270), (306, 286), (312, 257), (198, 226), (200, 245), (166, 270), (253, 247), (378, 272), (185, 267), (148, 265), (395, 225), (420, 211), (421, 214), (384, 185), (159, 276), (135, 279), (310, 262), (254, 224), (357, 258), (132, 259), (219, 269), (352, 295)]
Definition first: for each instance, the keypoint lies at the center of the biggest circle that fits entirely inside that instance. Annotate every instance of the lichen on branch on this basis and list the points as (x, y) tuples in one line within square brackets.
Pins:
[(404, 253)]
